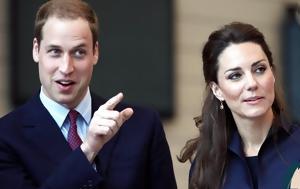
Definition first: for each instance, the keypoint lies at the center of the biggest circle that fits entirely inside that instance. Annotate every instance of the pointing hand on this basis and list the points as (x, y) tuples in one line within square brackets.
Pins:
[(105, 123)]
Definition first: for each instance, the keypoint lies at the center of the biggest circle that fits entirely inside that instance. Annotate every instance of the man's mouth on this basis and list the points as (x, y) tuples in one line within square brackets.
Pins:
[(65, 82)]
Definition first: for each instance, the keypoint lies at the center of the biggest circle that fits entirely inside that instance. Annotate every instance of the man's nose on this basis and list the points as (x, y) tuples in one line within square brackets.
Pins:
[(67, 66)]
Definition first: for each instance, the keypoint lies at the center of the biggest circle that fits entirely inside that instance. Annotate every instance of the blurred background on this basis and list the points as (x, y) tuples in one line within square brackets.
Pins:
[(154, 46)]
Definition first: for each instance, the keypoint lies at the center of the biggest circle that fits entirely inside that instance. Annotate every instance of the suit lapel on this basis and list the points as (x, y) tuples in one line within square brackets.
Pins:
[(41, 129)]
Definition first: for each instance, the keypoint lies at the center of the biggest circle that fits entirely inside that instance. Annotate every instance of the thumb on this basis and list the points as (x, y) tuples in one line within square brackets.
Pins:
[(126, 114)]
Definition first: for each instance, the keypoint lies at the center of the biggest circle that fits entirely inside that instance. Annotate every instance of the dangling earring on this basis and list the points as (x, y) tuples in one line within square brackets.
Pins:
[(221, 105)]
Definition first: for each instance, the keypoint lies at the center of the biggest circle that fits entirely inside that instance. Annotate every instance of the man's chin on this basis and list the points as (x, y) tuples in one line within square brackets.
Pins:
[(67, 101)]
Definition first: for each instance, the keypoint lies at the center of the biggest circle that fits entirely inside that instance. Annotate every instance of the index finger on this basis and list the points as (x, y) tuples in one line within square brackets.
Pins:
[(111, 103)]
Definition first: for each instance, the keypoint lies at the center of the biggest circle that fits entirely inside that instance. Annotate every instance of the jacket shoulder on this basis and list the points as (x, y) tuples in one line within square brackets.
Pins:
[(27, 111)]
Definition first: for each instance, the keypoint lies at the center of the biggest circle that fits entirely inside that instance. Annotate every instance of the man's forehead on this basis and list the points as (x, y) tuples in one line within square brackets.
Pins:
[(69, 27), (66, 33), (56, 22)]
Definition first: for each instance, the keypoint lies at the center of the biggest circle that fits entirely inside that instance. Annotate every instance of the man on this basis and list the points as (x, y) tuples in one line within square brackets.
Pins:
[(66, 137)]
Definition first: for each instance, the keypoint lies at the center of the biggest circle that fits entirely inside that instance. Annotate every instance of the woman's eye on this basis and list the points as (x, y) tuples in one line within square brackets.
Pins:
[(234, 76), (260, 69)]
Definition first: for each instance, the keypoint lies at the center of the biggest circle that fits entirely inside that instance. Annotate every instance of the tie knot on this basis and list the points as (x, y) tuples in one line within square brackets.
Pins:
[(73, 114)]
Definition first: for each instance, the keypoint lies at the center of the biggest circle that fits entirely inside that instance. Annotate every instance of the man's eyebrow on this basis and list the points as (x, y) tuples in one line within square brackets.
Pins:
[(80, 45), (52, 46)]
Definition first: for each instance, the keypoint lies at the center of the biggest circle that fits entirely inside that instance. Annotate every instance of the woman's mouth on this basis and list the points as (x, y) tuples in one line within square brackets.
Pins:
[(253, 100)]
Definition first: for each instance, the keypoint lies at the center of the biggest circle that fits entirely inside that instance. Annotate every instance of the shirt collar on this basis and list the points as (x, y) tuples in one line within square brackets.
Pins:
[(85, 107), (59, 112)]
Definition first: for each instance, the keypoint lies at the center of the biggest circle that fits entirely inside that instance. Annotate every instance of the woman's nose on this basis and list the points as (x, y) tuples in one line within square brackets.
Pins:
[(251, 82)]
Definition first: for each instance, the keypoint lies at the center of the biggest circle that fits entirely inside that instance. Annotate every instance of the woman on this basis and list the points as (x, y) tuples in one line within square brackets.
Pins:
[(244, 141)]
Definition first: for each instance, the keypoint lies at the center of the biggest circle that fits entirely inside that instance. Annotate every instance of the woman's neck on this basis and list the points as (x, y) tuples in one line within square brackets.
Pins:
[(254, 131)]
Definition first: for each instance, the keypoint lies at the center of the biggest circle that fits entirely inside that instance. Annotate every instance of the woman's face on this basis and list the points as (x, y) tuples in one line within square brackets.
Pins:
[(245, 80)]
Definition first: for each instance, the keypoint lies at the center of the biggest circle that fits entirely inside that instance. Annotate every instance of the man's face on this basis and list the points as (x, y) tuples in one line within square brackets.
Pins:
[(66, 57)]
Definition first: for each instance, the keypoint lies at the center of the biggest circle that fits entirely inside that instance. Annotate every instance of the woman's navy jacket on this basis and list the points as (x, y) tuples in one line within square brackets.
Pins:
[(278, 159)]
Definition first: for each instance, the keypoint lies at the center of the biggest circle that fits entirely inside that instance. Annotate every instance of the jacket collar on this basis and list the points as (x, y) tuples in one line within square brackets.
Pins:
[(280, 126), (41, 129)]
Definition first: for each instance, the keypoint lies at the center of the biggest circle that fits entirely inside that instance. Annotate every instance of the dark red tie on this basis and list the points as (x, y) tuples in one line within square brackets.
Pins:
[(73, 137)]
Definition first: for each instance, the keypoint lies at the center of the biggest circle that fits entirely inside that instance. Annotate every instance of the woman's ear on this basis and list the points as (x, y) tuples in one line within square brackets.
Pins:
[(274, 73), (216, 90), (35, 50)]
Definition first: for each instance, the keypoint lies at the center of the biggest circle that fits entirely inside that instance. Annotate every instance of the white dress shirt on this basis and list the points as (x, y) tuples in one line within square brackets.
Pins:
[(60, 113)]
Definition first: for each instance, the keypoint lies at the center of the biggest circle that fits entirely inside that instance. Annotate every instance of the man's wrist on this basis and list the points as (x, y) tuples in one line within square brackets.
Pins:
[(90, 155)]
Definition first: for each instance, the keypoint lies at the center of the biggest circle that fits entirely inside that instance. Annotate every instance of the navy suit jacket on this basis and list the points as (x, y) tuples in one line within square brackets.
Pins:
[(34, 153)]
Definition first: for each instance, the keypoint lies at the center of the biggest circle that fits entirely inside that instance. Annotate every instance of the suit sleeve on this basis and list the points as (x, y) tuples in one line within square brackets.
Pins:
[(162, 173), (73, 172)]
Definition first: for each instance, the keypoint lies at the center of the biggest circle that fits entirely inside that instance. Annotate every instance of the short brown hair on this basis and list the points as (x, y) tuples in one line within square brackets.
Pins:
[(70, 9)]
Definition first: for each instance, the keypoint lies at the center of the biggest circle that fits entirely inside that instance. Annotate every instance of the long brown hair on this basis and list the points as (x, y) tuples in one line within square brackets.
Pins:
[(209, 149)]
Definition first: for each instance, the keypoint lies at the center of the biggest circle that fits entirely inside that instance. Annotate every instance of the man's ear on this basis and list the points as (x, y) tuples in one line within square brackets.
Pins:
[(35, 50), (216, 90), (96, 53)]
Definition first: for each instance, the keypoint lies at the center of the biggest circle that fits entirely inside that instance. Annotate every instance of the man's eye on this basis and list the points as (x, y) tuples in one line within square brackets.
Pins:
[(54, 52), (79, 53)]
